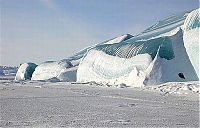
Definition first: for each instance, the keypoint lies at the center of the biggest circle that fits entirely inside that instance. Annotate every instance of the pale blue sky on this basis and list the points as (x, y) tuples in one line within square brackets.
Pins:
[(41, 30)]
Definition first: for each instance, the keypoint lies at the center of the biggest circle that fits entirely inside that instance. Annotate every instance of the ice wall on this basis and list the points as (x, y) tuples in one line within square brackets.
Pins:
[(25, 71)]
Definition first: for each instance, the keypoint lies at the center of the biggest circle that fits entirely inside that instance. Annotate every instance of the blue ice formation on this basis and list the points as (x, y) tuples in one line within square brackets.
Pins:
[(25, 71), (169, 50)]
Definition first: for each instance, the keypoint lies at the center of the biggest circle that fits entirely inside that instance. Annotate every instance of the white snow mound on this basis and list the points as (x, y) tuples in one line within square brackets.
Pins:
[(49, 70)]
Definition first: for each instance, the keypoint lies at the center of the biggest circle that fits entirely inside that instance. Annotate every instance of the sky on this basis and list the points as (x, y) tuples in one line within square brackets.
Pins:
[(43, 30)]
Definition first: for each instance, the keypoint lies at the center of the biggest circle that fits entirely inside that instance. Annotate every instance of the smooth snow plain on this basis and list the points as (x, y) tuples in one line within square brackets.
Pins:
[(67, 104)]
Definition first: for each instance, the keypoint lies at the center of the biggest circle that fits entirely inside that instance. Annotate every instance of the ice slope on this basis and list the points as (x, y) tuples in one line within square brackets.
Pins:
[(25, 71), (132, 64)]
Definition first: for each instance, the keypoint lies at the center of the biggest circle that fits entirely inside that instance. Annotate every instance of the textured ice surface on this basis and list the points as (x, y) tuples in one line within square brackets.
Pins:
[(76, 58), (25, 71), (124, 50), (192, 20)]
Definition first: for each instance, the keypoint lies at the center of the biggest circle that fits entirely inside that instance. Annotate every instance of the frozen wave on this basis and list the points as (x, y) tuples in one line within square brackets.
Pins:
[(153, 63)]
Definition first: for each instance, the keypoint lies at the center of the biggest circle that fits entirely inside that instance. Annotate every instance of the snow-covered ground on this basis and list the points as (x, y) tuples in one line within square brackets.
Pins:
[(64, 104)]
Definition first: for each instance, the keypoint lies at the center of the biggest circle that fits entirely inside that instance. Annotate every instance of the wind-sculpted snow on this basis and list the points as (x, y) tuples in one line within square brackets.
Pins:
[(25, 71), (132, 64)]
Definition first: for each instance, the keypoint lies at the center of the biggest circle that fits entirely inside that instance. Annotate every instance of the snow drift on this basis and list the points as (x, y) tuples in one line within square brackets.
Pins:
[(25, 71)]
